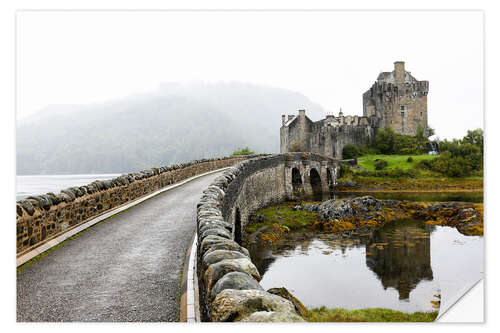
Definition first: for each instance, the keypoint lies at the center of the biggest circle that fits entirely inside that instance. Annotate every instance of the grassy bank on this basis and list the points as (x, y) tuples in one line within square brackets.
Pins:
[(394, 161), (401, 176), (388, 184), (367, 315)]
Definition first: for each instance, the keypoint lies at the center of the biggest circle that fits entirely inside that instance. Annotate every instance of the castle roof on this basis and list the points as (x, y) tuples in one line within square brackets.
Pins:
[(288, 122), (389, 77)]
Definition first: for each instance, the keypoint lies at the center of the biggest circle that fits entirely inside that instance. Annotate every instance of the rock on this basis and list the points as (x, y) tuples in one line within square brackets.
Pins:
[(69, 192), (222, 232), (208, 241), (63, 197), (236, 281), (19, 209), (219, 255), (226, 245), (234, 305), (216, 271), (27, 206), (283, 292), (272, 317), (43, 202)]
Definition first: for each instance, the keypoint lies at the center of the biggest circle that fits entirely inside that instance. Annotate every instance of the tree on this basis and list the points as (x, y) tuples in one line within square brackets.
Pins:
[(384, 140), (350, 151), (475, 137)]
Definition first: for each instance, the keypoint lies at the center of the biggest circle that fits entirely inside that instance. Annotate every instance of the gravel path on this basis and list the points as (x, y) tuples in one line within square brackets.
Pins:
[(124, 269)]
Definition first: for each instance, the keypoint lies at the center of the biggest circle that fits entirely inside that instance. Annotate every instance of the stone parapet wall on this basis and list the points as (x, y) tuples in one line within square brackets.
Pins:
[(228, 280), (43, 217)]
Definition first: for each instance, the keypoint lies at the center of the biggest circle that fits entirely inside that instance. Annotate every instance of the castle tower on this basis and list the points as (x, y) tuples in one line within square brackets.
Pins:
[(398, 100)]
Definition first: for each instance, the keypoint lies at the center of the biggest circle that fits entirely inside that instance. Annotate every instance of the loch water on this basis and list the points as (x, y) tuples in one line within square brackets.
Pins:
[(405, 265), (28, 185)]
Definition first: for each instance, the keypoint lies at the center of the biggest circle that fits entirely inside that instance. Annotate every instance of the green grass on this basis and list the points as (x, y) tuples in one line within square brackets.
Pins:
[(367, 315), (283, 214), (394, 161)]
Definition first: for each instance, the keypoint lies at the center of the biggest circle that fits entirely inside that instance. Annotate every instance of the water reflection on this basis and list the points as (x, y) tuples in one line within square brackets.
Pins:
[(400, 255), (390, 267)]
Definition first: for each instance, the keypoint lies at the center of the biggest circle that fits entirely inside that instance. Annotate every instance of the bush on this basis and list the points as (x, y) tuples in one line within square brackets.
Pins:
[(380, 164), (244, 151), (388, 142), (459, 158), (410, 159), (350, 151), (384, 141), (344, 170), (367, 150)]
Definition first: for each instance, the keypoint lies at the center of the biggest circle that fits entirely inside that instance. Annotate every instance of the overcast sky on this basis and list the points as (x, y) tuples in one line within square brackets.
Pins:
[(331, 57)]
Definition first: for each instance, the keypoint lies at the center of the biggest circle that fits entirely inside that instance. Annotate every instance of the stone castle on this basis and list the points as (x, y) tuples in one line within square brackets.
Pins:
[(396, 100)]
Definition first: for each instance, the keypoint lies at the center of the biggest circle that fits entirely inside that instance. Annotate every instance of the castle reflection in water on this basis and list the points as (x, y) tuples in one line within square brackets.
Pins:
[(399, 253)]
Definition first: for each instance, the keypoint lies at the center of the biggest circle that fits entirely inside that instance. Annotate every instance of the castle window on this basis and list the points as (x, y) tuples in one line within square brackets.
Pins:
[(401, 107)]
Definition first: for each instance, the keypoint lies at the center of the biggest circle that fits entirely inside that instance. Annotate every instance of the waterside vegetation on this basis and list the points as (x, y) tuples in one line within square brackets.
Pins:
[(324, 314)]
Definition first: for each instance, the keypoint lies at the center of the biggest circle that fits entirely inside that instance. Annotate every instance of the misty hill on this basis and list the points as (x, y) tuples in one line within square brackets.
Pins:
[(177, 123)]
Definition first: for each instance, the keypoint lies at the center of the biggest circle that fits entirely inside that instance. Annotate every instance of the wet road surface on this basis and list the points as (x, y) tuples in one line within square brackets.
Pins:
[(127, 268)]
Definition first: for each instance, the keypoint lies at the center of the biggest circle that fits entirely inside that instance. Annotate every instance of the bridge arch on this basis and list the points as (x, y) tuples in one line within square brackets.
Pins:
[(315, 181), (329, 178), (297, 185)]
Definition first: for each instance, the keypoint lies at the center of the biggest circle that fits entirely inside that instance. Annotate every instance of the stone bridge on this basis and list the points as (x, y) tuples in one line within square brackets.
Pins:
[(128, 267), (227, 279)]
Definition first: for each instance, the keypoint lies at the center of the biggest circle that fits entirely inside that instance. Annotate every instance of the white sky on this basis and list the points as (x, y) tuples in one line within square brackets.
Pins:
[(331, 57)]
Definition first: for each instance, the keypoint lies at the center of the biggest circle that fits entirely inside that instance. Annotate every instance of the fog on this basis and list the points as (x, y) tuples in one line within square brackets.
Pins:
[(92, 78)]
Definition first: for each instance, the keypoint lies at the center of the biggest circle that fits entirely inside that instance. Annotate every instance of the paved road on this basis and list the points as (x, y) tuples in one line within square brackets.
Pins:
[(124, 269)]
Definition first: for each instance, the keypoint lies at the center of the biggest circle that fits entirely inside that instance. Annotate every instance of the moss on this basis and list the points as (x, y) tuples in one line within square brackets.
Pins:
[(324, 314), (284, 215)]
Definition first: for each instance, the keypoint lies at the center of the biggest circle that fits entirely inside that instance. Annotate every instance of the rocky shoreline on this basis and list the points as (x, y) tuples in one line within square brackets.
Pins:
[(366, 213)]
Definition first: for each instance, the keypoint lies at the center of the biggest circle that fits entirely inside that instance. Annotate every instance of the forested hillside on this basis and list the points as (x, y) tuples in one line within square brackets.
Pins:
[(177, 123)]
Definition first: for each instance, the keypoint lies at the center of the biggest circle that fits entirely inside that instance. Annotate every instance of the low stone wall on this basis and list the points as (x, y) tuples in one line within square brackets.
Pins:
[(43, 217), (227, 278)]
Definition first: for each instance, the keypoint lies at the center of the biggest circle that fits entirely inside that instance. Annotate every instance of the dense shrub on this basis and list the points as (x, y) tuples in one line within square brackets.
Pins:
[(350, 151), (384, 141), (459, 158), (410, 159), (367, 150), (388, 142), (380, 164), (344, 170)]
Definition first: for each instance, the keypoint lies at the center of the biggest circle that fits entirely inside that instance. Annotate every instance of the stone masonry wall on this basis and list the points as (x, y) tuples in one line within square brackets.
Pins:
[(43, 217), (228, 280)]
